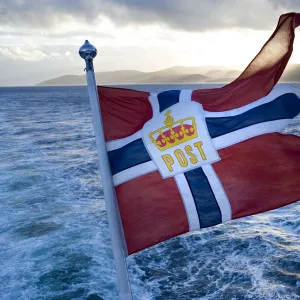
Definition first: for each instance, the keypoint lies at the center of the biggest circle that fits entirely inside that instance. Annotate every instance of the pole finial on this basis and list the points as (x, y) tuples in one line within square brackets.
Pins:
[(87, 50)]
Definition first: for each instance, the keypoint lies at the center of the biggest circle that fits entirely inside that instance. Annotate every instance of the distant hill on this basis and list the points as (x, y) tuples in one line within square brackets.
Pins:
[(177, 74)]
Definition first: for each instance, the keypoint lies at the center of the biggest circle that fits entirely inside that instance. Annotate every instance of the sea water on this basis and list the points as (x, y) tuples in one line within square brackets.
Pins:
[(54, 239)]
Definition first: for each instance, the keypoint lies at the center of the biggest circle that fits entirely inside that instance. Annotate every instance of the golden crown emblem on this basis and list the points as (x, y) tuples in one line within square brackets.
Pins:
[(174, 133)]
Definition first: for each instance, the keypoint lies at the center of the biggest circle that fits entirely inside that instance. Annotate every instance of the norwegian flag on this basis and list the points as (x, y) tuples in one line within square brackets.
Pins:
[(257, 169)]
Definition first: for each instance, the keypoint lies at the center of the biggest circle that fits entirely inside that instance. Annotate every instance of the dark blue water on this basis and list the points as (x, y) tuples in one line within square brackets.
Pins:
[(54, 240)]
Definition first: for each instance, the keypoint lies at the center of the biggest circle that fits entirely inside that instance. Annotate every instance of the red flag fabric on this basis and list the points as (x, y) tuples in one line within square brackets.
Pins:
[(185, 160)]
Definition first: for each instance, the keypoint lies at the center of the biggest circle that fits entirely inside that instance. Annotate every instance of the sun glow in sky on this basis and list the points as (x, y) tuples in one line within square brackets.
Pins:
[(30, 53)]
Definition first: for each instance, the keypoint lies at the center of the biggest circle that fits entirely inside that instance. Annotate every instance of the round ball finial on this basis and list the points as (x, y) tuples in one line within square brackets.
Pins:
[(87, 50)]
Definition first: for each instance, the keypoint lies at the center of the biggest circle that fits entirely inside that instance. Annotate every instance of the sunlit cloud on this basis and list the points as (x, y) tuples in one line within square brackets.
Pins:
[(25, 53)]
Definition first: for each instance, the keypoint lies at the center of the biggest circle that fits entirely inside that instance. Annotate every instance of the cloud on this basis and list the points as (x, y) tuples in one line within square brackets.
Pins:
[(52, 34), (22, 53), (192, 15), (30, 64), (32, 53)]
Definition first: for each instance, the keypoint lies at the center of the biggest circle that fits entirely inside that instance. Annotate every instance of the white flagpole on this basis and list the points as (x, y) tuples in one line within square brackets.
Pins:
[(88, 52)]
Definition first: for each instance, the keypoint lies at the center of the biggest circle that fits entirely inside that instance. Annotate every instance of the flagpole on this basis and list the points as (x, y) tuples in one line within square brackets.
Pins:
[(88, 52)]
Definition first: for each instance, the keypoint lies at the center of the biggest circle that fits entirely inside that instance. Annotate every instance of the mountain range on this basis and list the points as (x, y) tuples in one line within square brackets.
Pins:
[(177, 74)]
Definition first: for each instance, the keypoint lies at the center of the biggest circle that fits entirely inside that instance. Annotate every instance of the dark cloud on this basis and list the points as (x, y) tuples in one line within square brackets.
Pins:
[(191, 15)]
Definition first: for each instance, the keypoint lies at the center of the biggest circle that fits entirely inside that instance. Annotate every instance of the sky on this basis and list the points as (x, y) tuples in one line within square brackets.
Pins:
[(39, 40)]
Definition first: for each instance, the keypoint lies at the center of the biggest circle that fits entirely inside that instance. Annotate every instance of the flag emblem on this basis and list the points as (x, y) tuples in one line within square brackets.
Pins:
[(183, 143)]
